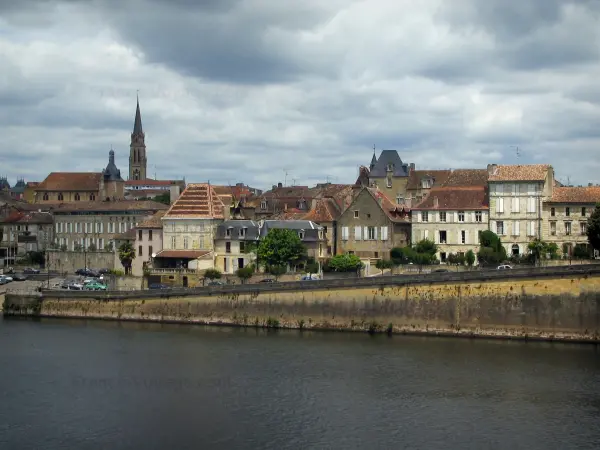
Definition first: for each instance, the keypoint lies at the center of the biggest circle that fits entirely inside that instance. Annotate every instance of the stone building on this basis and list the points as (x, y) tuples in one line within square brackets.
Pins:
[(81, 225), (148, 242), (22, 232), (372, 225), (311, 235), (233, 241), (420, 183), (565, 214), (65, 187), (390, 175), (452, 215), (516, 194)]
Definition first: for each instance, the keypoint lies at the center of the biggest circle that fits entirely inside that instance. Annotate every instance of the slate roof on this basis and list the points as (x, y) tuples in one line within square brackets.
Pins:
[(137, 125), (455, 198), (111, 173), (252, 231), (389, 157), (467, 177), (530, 172), (439, 177), (71, 181), (198, 200), (590, 194), (311, 229), (153, 222), (118, 205)]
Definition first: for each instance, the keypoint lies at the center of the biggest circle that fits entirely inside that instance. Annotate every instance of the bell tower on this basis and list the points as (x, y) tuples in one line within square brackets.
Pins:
[(137, 149)]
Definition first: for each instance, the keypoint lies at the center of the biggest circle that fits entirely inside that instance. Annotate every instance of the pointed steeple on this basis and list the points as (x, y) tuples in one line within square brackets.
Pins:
[(137, 126), (373, 160)]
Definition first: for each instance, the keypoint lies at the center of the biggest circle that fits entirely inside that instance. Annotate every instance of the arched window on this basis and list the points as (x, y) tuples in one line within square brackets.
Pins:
[(515, 250), (92, 197), (60, 197), (77, 197), (45, 197)]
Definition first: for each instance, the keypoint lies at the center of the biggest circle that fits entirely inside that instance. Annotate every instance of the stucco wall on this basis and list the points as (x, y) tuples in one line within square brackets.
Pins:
[(559, 306), (69, 262)]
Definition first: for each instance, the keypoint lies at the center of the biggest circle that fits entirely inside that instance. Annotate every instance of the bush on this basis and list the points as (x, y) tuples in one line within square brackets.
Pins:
[(345, 263), (212, 274), (245, 273)]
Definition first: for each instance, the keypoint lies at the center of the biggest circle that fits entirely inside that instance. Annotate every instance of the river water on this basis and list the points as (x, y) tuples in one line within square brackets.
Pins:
[(107, 385)]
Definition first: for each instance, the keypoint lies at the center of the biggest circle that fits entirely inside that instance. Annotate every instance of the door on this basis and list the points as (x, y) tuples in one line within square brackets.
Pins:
[(185, 281)]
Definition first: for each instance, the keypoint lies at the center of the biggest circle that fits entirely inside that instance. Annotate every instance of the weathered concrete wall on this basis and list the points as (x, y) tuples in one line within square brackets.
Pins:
[(69, 262), (563, 306)]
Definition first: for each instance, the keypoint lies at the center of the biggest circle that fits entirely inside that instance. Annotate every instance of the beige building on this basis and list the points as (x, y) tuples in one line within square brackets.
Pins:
[(233, 244), (22, 232), (421, 182), (516, 196), (372, 225), (565, 214), (390, 175)]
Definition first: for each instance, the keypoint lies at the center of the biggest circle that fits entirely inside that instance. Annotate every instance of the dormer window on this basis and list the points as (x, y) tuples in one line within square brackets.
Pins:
[(92, 197), (263, 204), (389, 180), (228, 232), (399, 199), (426, 184), (45, 197), (390, 167), (242, 232), (301, 204), (60, 197), (320, 234), (301, 234), (77, 197)]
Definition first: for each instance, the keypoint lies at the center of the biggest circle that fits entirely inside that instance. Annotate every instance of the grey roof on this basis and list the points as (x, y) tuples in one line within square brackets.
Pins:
[(137, 126), (111, 173), (234, 227), (311, 229), (373, 161), (389, 157), (4, 184), (239, 223)]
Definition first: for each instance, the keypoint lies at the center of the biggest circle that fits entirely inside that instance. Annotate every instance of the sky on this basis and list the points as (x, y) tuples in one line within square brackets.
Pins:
[(268, 91)]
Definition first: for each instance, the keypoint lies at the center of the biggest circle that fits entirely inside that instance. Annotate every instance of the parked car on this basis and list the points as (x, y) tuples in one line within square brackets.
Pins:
[(216, 283), (308, 278), (440, 271), (30, 271), (19, 277), (504, 267), (7, 278), (3, 280), (75, 286), (103, 271), (158, 286), (94, 286), (267, 280)]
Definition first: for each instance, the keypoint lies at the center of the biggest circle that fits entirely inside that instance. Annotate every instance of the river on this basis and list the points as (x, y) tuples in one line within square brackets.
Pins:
[(108, 385)]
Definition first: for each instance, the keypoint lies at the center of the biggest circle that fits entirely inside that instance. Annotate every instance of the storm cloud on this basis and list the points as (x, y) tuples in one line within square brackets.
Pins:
[(249, 90)]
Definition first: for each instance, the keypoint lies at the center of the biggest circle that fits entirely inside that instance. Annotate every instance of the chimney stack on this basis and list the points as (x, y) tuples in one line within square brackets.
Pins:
[(412, 167), (436, 202), (492, 169), (280, 185)]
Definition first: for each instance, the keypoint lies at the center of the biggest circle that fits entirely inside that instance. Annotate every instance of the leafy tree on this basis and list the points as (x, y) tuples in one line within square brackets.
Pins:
[(163, 198), (251, 248), (77, 247), (212, 274), (312, 267), (37, 258), (108, 247), (451, 258), (593, 228), (276, 270), (281, 247), (491, 250), (126, 256), (383, 264), (540, 250), (470, 258), (421, 254), (345, 263), (92, 247), (581, 251), (245, 273)]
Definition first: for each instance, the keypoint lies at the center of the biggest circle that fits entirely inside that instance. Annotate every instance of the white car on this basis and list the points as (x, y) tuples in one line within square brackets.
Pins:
[(504, 267), (7, 278), (76, 286)]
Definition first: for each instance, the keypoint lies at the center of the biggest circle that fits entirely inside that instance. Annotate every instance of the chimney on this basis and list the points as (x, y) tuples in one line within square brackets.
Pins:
[(412, 167), (174, 193), (436, 202), (279, 185), (492, 169)]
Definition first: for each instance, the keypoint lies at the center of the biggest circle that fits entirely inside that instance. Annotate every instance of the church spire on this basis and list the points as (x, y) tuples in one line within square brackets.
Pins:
[(137, 126)]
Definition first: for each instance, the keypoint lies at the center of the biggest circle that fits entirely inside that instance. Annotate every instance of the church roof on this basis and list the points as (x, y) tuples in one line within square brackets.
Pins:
[(71, 181), (197, 201), (137, 126), (111, 173)]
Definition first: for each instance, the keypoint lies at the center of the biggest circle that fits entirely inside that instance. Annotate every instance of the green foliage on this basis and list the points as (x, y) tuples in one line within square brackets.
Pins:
[(383, 264), (276, 270), (312, 267), (163, 198), (281, 247), (470, 258), (272, 323), (63, 248), (212, 274), (126, 256), (581, 251), (37, 258), (77, 247), (491, 250), (92, 247), (108, 247), (593, 228), (397, 256), (345, 263), (245, 273), (540, 250), (116, 272), (422, 253), (458, 259)]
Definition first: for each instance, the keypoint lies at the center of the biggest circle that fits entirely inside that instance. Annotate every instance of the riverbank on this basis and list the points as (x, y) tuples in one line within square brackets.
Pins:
[(549, 305)]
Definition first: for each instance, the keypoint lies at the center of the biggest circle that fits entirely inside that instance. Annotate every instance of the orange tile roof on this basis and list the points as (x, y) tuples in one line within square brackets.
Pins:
[(198, 200), (530, 172), (151, 182), (456, 198), (153, 222), (467, 177), (325, 210), (589, 194), (415, 177), (396, 212), (71, 181), (185, 254), (117, 205), (28, 218)]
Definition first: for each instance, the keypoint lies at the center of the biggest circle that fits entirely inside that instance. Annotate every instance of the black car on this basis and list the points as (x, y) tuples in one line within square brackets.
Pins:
[(104, 271), (30, 271), (440, 271), (267, 280), (19, 277), (158, 286)]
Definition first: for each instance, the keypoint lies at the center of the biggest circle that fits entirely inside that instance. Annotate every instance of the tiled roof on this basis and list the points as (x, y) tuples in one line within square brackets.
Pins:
[(289, 214), (415, 177), (590, 194), (467, 177), (325, 210), (129, 235), (396, 212), (530, 172), (197, 201), (33, 183), (151, 182), (71, 181), (184, 254), (456, 198), (236, 192), (140, 193), (28, 218), (154, 221), (118, 205)]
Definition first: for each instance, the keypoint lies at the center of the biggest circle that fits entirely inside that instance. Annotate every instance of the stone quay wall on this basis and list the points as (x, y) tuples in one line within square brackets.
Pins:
[(549, 304)]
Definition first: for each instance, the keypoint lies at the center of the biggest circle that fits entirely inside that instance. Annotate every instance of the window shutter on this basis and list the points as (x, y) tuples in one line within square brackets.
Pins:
[(375, 234), (501, 205), (515, 188), (426, 233), (466, 236), (455, 216), (419, 216), (473, 216), (366, 233), (494, 228), (517, 230), (437, 236), (357, 233), (533, 206), (384, 236)]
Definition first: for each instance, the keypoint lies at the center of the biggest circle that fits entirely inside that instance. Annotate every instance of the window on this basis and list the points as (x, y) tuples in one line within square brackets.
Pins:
[(552, 212), (227, 247), (301, 234), (390, 167), (461, 216), (45, 197), (186, 241), (242, 247), (139, 235), (150, 252), (375, 254), (228, 232), (149, 235), (531, 204), (371, 235), (531, 228), (478, 216), (389, 181), (345, 233), (517, 228), (242, 232), (356, 214), (399, 199), (443, 256), (426, 184), (583, 211), (516, 206), (263, 205), (173, 242), (325, 230), (101, 244), (568, 228), (463, 237), (425, 216), (500, 205), (320, 234), (320, 249), (60, 197), (567, 211), (500, 228), (553, 228), (583, 227), (442, 216), (92, 197), (139, 251), (77, 197), (443, 236), (185, 228)]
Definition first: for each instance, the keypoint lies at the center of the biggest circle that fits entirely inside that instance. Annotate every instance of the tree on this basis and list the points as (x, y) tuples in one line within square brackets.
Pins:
[(345, 263), (383, 264), (311, 266), (245, 273), (397, 257), (126, 256), (77, 247), (63, 248), (212, 274), (593, 228), (281, 247), (276, 270), (251, 248), (163, 198), (470, 258), (92, 247), (421, 254), (581, 251), (108, 247), (491, 250), (537, 249)]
